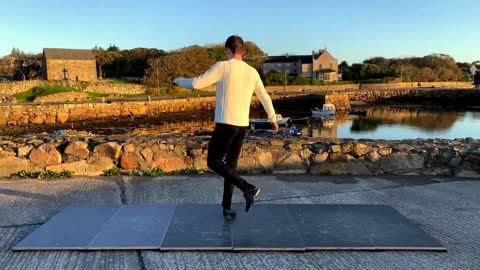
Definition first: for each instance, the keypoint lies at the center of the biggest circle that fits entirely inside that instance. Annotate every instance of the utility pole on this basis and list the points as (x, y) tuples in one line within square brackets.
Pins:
[(401, 73)]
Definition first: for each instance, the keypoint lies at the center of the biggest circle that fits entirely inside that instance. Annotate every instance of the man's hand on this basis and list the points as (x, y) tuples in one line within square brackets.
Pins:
[(275, 127)]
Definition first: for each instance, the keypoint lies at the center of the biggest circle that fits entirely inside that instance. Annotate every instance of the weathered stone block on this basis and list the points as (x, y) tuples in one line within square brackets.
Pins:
[(10, 165), (44, 155), (109, 149), (76, 151), (402, 162), (129, 162)]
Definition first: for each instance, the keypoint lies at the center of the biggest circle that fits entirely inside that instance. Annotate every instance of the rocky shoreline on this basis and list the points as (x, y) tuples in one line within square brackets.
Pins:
[(88, 154)]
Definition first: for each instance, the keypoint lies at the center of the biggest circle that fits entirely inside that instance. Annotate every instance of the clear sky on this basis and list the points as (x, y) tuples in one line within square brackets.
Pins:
[(351, 30)]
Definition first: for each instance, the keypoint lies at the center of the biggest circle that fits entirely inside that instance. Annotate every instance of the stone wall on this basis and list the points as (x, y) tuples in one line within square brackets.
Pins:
[(83, 70), (303, 88), (448, 96), (94, 154), (378, 86), (10, 88), (52, 113), (62, 97), (341, 101)]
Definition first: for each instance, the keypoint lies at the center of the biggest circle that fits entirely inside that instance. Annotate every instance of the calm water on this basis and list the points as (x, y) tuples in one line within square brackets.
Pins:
[(391, 122), (398, 125)]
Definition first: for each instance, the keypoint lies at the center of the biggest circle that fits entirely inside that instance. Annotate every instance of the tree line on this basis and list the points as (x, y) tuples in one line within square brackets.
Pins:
[(157, 68), (430, 68)]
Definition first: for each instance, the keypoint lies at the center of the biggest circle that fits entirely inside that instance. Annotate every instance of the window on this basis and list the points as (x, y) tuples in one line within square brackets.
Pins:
[(320, 66), (330, 66)]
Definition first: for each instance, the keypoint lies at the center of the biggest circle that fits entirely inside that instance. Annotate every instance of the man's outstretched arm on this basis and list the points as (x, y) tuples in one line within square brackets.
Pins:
[(266, 101), (211, 76)]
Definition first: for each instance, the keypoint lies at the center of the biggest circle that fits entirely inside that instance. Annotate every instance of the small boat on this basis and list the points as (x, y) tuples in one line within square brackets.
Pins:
[(328, 109), (264, 123)]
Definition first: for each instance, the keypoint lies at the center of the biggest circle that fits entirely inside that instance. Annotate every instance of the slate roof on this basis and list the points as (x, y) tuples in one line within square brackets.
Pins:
[(68, 54), (304, 59)]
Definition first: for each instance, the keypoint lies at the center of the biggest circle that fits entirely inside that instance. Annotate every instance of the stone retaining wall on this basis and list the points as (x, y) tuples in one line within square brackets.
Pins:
[(320, 88), (93, 155), (11, 88), (53, 113), (451, 96), (378, 86)]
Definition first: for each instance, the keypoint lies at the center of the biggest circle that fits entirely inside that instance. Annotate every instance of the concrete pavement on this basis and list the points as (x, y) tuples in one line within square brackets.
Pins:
[(446, 208)]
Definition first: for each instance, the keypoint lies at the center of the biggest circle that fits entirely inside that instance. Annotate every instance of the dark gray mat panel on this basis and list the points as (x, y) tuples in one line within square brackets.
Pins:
[(134, 227), (202, 227), (390, 230), (326, 227), (266, 227), (198, 227), (71, 229)]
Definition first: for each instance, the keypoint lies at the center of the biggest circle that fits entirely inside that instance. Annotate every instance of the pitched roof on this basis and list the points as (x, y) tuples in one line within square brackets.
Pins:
[(304, 59), (68, 54)]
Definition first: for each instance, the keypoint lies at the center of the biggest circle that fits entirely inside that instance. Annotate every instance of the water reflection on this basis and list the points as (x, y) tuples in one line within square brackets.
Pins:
[(397, 123), (380, 122)]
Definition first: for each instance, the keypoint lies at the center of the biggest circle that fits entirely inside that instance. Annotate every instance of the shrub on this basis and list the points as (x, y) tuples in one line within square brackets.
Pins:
[(43, 175)]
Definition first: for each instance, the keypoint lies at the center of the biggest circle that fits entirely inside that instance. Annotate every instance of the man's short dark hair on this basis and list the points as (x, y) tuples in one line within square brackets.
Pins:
[(235, 44)]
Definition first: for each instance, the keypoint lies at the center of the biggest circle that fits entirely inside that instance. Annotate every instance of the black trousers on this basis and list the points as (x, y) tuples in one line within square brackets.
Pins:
[(223, 152)]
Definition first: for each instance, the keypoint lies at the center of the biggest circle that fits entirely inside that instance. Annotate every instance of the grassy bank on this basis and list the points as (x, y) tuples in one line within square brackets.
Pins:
[(41, 91)]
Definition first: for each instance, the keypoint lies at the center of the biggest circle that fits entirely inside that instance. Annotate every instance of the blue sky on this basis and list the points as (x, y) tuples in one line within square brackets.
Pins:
[(351, 30)]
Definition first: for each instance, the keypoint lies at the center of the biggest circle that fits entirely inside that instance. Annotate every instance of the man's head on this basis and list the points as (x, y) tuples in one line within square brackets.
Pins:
[(234, 47)]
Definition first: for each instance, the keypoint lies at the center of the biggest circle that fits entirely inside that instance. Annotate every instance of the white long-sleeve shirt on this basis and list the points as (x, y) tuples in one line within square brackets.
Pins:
[(236, 81)]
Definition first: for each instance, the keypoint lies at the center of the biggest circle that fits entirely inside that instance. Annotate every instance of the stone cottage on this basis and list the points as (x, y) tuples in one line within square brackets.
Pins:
[(320, 65), (69, 64)]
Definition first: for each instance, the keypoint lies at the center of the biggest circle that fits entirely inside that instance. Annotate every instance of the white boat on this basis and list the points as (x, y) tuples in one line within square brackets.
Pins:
[(328, 109), (264, 123)]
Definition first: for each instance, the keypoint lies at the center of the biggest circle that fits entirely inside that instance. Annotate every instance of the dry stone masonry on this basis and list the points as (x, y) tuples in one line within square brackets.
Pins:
[(92, 155)]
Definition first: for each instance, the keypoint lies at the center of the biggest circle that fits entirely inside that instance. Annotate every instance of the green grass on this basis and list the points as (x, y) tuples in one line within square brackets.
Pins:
[(116, 81), (112, 172), (155, 172), (40, 91), (326, 172), (372, 81), (94, 95), (42, 175), (178, 92)]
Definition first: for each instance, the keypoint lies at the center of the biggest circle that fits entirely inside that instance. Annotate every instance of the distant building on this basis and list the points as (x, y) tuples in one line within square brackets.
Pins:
[(320, 65), (69, 64), (475, 69)]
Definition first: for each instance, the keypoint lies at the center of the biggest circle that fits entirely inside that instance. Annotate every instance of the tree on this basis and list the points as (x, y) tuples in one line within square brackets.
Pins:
[(187, 62), (20, 65), (138, 59), (369, 71), (7, 66), (254, 56), (381, 62), (217, 53), (105, 57), (274, 77)]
